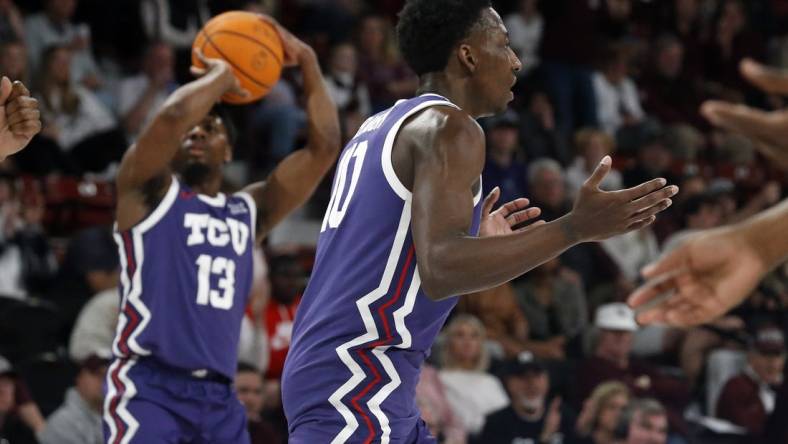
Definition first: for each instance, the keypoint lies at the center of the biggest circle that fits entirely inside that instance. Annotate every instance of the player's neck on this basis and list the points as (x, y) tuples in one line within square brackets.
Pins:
[(456, 90), (209, 187)]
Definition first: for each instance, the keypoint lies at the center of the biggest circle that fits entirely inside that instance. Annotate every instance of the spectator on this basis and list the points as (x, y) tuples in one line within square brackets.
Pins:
[(653, 158), (382, 68), (13, 60), (645, 422), (670, 93), (249, 386), (16, 404), (610, 360), (554, 303), (78, 420), (12, 27), (435, 409), (525, 27), (538, 127), (617, 99), (464, 361), (531, 415), (685, 21), (95, 326), (349, 92), (591, 146), (748, 399), (504, 167), (139, 96), (601, 413), (700, 213), (11, 280), (53, 27), (74, 117), (501, 316)]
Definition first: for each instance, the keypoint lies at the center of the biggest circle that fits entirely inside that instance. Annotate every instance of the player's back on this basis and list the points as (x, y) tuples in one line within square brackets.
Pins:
[(364, 325)]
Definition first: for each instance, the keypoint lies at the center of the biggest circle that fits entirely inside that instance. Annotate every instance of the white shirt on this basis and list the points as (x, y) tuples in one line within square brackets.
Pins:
[(612, 101), (576, 176), (95, 328), (40, 34), (91, 118), (472, 396), (632, 251), (525, 38), (130, 90)]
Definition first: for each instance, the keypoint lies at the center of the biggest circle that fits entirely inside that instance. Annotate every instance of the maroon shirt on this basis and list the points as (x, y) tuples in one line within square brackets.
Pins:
[(740, 404)]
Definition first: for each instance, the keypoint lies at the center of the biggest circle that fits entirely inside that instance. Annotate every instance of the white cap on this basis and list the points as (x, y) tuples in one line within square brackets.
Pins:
[(5, 366), (617, 316)]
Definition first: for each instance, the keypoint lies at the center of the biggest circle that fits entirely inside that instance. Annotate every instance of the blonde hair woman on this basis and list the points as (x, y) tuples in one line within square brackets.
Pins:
[(601, 412), (472, 393)]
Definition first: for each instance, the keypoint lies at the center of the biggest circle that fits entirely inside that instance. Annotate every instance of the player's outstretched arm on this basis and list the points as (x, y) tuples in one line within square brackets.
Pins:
[(712, 271), (295, 178), (149, 158), (448, 158), (768, 129), (20, 118)]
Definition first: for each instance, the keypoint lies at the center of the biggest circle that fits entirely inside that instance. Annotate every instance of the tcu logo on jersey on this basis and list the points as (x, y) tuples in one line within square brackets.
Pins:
[(217, 232)]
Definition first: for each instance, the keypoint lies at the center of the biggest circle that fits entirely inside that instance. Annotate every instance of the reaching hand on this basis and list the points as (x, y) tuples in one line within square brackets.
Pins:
[(598, 215), (708, 274), (503, 220), (20, 118), (768, 129)]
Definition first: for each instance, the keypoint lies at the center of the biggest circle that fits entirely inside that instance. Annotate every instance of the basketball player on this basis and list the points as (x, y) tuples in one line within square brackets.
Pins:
[(186, 256), (399, 238), (19, 117), (714, 271)]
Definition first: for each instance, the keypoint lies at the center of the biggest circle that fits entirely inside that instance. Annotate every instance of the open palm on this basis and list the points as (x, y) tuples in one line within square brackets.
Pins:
[(707, 275), (503, 220)]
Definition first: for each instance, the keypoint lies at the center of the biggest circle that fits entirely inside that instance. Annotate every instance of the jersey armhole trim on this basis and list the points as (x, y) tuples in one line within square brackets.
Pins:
[(159, 212), (388, 145), (253, 209)]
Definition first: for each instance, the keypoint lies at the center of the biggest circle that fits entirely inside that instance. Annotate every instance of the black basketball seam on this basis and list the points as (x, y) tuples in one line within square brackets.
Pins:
[(230, 62), (246, 37)]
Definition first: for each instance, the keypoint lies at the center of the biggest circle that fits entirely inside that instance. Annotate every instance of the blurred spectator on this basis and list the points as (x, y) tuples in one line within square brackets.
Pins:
[(670, 92), (700, 213), (74, 117), (141, 95), (749, 398), (610, 360), (53, 27), (531, 416), (525, 27), (95, 326), (591, 146), (12, 27), (617, 98), (504, 167), (464, 361), (349, 92), (78, 420), (601, 413), (253, 347), (645, 422), (13, 60), (435, 409), (249, 386), (547, 184), (685, 21), (538, 128), (632, 251), (554, 303), (387, 76), (16, 404), (11, 279), (654, 159), (502, 317), (616, 22)]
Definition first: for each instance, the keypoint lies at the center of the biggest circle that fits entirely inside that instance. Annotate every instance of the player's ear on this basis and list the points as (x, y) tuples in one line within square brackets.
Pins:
[(466, 57)]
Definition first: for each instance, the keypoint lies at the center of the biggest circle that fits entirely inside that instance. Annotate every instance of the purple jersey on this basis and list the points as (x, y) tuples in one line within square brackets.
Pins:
[(364, 325), (185, 278)]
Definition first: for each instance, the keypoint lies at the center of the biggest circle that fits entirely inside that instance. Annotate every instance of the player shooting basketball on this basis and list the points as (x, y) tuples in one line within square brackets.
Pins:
[(186, 252), (399, 238)]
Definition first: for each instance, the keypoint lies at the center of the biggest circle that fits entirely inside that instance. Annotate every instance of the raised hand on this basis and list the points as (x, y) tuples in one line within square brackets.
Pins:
[(598, 215), (768, 129), (504, 219), (20, 118), (221, 68), (710, 273)]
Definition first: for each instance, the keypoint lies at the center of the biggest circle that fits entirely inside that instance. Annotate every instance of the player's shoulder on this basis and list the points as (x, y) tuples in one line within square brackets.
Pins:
[(445, 126)]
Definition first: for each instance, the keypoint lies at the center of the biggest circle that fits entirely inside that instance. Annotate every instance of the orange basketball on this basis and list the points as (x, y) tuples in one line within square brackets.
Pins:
[(250, 45)]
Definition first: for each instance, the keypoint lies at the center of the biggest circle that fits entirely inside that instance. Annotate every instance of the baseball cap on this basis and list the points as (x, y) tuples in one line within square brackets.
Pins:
[(524, 363), (769, 341), (616, 316)]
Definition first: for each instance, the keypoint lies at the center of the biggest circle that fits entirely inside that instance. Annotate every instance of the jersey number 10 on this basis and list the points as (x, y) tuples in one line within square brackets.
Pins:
[(337, 206)]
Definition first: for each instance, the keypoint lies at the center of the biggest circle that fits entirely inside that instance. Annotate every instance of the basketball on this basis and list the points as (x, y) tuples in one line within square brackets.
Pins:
[(250, 45)]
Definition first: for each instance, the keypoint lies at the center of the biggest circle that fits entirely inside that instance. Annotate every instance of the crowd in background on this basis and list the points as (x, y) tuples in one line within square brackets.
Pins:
[(552, 357)]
